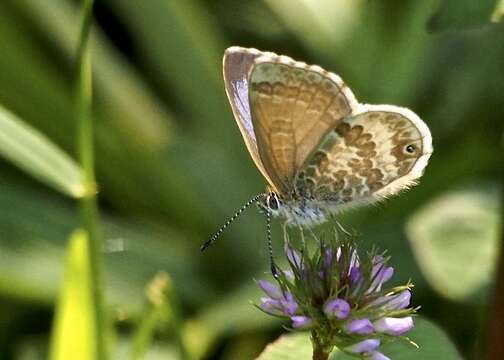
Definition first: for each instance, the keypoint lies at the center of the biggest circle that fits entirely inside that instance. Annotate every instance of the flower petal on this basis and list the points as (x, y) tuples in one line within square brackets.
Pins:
[(394, 302), (293, 256), (271, 306), (301, 322), (359, 326), (394, 326), (400, 301), (355, 275), (272, 290), (337, 308), (380, 274), (376, 355), (365, 346), (288, 304)]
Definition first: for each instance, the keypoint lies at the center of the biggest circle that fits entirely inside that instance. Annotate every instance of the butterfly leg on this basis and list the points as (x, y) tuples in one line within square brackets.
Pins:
[(285, 233), (301, 233), (343, 230)]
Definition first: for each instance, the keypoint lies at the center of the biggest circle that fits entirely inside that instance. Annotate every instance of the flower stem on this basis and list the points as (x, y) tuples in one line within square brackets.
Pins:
[(495, 335), (88, 203), (320, 352)]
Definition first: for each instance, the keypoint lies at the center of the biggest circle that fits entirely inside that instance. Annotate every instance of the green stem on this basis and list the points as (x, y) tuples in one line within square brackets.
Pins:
[(88, 203), (320, 352)]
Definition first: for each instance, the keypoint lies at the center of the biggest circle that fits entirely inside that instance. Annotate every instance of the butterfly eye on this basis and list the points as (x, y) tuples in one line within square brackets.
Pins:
[(273, 202), (410, 149)]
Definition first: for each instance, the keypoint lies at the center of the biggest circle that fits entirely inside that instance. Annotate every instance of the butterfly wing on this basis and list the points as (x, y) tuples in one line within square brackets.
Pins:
[(237, 64), (293, 106), (372, 154)]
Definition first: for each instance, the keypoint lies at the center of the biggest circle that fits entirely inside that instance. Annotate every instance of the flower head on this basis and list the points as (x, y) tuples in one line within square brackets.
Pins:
[(339, 294)]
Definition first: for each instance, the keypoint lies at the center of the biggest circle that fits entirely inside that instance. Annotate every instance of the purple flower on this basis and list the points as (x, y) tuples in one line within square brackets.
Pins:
[(363, 347), (359, 326), (393, 302), (337, 308), (293, 256), (354, 260), (400, 301), (288, 303), (328, 257), (346, 290), (380, 274), (394, 326), (271, 306), (301, 322), (277, 302), (376, 355), (355, 275), (272, 290)]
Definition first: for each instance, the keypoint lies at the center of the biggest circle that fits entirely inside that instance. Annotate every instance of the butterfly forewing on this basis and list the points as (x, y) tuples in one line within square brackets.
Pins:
[(293, 107), (237, 64), (367, 156)]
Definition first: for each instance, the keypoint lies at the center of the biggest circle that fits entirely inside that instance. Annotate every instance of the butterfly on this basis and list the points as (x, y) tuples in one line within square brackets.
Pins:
[(319, 149)]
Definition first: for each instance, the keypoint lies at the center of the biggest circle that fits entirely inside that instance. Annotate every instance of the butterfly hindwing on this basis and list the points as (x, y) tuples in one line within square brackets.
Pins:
[(367, 156), (293, 107)]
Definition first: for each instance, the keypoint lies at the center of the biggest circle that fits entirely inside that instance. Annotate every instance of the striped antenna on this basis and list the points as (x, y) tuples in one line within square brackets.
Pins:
[(231, 219)]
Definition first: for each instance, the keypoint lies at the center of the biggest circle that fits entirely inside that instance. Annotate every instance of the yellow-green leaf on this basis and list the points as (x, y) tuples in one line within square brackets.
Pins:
[(74, 333), (455, 240), (432, 341), (37, 155)]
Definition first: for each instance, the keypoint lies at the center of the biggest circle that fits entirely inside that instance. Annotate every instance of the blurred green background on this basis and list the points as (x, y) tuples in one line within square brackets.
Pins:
[(171, 164)]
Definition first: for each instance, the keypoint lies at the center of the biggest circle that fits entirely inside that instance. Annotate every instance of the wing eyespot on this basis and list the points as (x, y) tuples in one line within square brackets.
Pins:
[(410, 149)]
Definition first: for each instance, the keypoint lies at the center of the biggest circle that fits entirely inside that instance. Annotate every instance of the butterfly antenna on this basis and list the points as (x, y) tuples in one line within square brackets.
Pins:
[(274, 269), (230, 220)]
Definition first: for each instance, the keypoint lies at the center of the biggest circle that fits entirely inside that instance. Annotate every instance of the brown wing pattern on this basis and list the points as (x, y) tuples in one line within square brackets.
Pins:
[(293, 107), (370, 155)]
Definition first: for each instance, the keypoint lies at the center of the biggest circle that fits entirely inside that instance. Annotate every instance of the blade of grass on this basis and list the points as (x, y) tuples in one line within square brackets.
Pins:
[(33, 152), (162, 314), (88, 203), (117, 81), (74, 334)]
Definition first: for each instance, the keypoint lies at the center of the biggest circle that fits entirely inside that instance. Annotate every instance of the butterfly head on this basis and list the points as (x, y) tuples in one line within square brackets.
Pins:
[(271, 203)]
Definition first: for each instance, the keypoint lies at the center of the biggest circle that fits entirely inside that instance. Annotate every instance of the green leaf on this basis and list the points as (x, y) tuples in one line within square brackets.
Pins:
[(294, 346), (457, 234), (461, 14), (432, 341), (498, 12), (33, 152), (117, 81), (74, 333)]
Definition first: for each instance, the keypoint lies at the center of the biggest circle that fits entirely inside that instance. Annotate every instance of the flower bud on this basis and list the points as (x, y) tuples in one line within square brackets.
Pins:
[(376, 355), (272, 290), (337, 308), (288, 303), (359, 326), (301, 322), (271, 306), (394, 326), (363, 347)]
